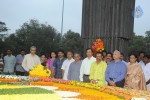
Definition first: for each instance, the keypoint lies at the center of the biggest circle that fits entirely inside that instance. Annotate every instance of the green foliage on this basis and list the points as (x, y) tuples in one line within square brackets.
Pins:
[(44, 37), (72, 41), (140, 43), (3, 27)]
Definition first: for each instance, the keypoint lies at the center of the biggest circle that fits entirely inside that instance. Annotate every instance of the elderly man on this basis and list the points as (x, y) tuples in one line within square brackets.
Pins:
[(30, 60), (116, 71), (66, 65), (74, 69), (97, 71)]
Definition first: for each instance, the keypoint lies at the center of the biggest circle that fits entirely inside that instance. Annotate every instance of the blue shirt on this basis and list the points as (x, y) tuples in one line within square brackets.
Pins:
[(116, 71), (124, 62), (19, 59), (9, 63), (57, 65)]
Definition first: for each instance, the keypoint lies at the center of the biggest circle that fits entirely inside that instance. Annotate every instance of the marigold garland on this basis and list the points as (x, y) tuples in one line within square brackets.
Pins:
[(98, 46), (8, 80), (87, 94), (86, 90)]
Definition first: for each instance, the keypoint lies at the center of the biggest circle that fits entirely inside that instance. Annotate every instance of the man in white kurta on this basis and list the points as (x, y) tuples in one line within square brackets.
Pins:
[(86, 66), (147, 74), (66, 65), (30, 60), (142, 64)]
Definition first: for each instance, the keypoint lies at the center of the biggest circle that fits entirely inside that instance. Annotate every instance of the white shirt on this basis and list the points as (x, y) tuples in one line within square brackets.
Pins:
[(65, 67), (147, 74), (142, 64), (30, 61), (85, 67)]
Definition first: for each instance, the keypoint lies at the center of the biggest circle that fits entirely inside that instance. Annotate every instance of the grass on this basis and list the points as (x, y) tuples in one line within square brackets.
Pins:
[(30, 90)]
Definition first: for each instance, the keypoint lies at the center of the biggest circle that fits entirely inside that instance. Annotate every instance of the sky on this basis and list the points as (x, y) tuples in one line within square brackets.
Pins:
[(15, 12)]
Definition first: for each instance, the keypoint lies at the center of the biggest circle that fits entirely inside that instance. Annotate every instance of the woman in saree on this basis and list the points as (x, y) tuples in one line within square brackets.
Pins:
[(135, 77)]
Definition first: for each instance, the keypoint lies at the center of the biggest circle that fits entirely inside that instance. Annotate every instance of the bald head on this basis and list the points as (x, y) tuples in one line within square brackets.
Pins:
[(116, 55)]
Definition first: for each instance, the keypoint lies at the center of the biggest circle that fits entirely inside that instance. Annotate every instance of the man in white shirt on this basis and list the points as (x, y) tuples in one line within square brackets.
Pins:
[(141, 59), (147, 71), (144, 62), (86, 65), (30, 60), (141, 56), (66, 65)]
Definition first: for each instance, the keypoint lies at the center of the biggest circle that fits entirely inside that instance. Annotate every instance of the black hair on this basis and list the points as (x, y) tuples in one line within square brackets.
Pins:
[(70, 51), (122, 53), (49, 55), (43, 54), (99, 53), (133, 54), (89, 49), (104, 51), (147, 56), (9, 49), (22, 50), (52, 52), (60, 50), (78, 54), (110, 54), (141, 52)]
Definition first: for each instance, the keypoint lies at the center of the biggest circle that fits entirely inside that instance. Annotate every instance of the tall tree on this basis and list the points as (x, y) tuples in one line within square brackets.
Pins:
[(31, 33), (72, 41), (140, 43), (3, 26)]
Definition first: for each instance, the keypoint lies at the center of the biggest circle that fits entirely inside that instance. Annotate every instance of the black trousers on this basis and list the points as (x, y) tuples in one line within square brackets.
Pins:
[(20, 73), (26, 73), (86, 78), (119, 83)]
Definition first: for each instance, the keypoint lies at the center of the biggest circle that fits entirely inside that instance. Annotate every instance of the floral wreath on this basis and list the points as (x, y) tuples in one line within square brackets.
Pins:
[(98, 46)]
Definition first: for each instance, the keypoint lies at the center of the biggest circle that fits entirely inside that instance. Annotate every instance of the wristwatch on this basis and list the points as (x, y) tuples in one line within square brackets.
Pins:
[(96, 81)]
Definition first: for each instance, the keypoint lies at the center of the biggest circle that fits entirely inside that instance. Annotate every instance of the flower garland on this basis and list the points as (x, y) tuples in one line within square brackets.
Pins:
[(86, 89), (85, 93), (98, 46), (8, 80)]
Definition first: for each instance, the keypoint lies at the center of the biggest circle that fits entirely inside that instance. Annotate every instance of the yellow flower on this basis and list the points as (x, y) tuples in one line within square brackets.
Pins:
[(40, 71), (30, 97)]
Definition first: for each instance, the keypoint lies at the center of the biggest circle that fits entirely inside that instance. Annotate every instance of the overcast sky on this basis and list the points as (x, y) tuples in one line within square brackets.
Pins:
[(15, 12)]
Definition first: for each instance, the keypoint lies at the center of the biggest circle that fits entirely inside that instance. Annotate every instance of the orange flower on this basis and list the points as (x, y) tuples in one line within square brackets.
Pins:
[(98, 46), (8, 80)]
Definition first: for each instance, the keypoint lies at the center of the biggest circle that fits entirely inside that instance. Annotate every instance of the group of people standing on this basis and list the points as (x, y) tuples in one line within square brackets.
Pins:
[(103, 69)]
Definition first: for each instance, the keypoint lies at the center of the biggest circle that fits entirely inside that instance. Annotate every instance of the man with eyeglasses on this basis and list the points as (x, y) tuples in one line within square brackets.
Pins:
[(30, 60)]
